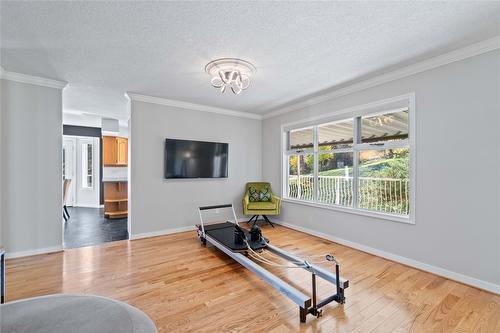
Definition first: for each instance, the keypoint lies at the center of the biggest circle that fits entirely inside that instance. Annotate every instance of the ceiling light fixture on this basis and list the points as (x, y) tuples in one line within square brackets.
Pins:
[(230, 73)]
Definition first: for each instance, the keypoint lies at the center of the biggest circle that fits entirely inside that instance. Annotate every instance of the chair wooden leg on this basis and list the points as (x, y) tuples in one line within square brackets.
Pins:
[(267, 220)]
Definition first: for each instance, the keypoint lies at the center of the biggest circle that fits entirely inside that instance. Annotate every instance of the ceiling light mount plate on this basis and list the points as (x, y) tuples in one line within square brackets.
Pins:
[(230, 73)]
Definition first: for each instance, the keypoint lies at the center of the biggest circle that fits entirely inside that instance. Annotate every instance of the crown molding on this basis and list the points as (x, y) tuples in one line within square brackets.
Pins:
[(191, 106), (30, 79), (444, 59)]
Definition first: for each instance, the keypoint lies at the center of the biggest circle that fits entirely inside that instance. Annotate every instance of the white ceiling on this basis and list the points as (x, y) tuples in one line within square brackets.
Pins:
[(104, 49)]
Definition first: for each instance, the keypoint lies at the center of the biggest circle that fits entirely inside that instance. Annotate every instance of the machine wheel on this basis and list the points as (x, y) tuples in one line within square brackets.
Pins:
[(203, 240)]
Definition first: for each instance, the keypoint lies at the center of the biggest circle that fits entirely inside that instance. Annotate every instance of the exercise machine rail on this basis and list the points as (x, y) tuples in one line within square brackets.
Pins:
[(307, 305)]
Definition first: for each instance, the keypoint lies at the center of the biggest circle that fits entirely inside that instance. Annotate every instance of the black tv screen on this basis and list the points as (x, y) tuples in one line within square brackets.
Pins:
[(195, 159)]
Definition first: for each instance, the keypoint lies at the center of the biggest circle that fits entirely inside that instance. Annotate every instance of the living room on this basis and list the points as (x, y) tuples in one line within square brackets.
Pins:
[(291, 166)]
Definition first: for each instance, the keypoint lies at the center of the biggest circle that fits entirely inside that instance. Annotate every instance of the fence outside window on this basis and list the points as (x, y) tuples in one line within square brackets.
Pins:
[(387, 195)]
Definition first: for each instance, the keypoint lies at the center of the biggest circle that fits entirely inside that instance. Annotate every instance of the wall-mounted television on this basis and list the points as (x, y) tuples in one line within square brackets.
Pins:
[(195, 159)]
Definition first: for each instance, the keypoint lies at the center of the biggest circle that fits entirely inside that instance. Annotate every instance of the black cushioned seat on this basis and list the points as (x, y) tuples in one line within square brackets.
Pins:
[(224, 234)]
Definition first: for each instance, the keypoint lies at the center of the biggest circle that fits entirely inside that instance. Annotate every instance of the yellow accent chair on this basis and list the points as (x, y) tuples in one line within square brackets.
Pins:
[(259, 200)]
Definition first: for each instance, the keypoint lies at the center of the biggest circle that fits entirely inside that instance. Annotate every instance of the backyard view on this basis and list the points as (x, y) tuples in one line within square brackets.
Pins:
[(383, 174), (383, 180)]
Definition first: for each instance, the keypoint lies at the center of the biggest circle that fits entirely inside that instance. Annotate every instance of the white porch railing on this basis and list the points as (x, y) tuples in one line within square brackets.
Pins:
[(388, 195)]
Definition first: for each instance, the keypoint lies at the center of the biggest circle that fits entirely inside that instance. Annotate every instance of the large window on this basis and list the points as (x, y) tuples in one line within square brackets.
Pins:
[(361, 163)]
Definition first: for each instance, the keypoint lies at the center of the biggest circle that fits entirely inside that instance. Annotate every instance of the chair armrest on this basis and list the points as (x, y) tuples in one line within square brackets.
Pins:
[(275, 199), (246, 199)]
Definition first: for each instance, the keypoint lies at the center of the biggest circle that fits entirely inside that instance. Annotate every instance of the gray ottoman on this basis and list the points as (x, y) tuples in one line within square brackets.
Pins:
[(73, 313)]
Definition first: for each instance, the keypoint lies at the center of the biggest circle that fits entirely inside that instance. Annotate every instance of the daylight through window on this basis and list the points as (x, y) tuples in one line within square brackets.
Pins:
[(361, 163)]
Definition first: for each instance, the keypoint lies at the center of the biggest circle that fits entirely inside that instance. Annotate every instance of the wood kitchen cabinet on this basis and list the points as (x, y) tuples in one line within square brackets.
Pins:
[(122, 144), (114, 151)]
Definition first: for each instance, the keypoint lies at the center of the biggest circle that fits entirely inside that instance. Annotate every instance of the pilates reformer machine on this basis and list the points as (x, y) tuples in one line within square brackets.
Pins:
[(243, 246)]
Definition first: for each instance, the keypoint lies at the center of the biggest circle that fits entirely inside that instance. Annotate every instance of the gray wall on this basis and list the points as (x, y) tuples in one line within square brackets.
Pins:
[(31, 147), (1, 163), (158, 204), (458, 175)]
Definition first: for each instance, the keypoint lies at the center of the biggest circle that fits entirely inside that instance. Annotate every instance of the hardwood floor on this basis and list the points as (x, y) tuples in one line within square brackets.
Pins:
[(185, 287)]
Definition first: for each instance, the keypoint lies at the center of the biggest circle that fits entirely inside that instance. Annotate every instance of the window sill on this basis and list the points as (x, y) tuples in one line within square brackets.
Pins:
[(389, 217)]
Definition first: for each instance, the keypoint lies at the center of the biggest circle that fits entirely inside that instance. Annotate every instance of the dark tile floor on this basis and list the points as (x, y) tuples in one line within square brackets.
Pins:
[(88, 226)]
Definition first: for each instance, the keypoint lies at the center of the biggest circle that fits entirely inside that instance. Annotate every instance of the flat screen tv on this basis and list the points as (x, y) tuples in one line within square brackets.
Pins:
[(195, 159)]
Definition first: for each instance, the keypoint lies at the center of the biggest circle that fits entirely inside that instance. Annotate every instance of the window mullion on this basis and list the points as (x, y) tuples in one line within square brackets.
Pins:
[(299, 187), (286, 163), (315, 164), (355, 160)]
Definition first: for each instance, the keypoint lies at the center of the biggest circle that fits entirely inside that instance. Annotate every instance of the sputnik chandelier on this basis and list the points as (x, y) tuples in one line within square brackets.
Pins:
[(230, 73)]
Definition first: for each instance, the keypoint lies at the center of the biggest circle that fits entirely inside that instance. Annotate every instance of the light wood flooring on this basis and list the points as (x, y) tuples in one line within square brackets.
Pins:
[(186, 287)]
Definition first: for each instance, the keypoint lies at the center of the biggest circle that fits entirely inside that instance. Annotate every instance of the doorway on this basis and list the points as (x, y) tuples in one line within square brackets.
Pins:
[(85, 223), (81, 168)]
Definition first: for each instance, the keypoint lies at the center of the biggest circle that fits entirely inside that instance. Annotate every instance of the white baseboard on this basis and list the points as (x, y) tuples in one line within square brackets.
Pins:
[(170, 231), (162, 232), (27, 253), (468, 280)]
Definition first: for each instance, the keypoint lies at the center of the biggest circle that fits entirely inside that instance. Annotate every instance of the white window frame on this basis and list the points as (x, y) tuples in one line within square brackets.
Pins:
[(84, 166), (370, 109), (302, 152)]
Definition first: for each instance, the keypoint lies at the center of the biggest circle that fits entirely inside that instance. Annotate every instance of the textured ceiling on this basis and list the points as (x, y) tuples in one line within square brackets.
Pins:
[(104, 49)]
